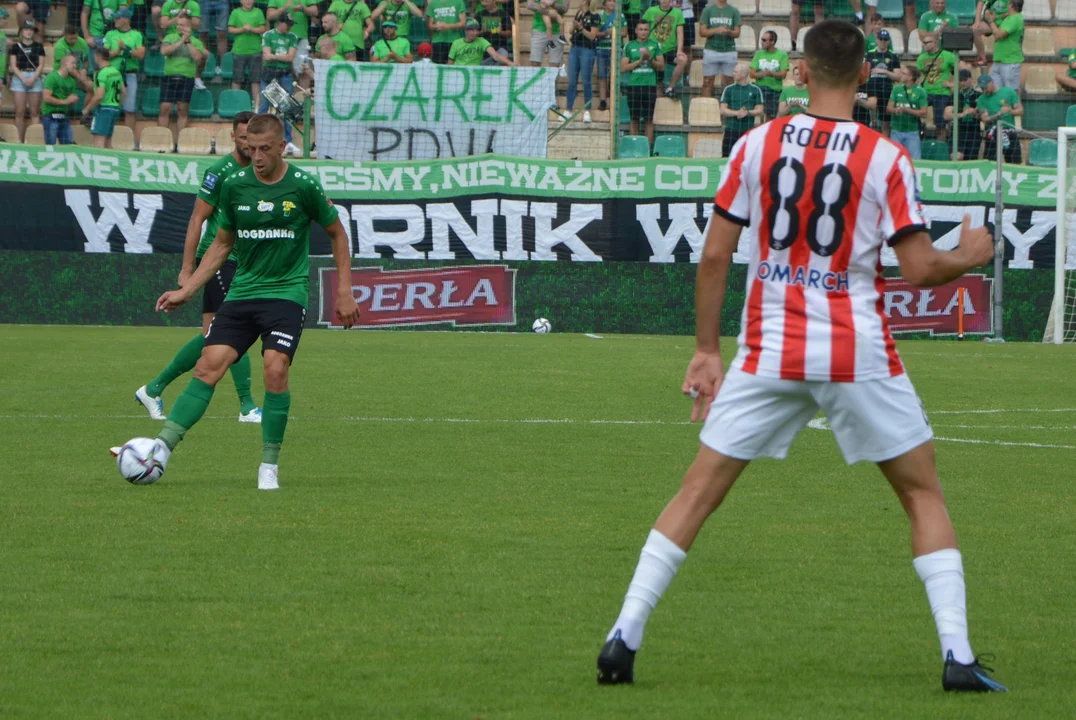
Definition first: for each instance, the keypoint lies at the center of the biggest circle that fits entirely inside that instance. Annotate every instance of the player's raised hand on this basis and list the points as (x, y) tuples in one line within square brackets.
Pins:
[(347, 311), (171, 300), (703, 379), (976, 244)]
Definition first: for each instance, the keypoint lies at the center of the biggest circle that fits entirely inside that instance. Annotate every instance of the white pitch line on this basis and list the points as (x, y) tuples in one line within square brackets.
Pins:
[(1008, 444), (1007, 427), (1002, 411)]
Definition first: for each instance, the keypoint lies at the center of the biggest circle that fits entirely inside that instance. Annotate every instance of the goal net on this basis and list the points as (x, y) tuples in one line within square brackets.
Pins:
[(1061, 326)]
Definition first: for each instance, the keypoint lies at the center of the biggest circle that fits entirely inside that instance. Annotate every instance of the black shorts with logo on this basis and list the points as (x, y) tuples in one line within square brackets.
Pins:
[(216, 289), (239, 323), (641, 101)]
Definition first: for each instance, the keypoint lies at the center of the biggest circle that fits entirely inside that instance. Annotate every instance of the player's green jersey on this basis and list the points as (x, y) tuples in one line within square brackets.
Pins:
[(212, 184), (914, 98), (272, 232), (796, 99), (113, 82)]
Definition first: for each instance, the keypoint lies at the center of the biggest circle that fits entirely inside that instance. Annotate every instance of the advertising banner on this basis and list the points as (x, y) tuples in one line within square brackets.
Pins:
[(386, 111)]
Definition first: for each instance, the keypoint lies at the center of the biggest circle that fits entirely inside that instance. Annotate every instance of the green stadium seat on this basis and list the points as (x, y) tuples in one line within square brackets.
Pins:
[(1042, 153), (154, 65), (963, 9), (634, 147), (671, 146), (891, 9), (201, 104), (227, 67), (935, 150), (625, 111), (233, 102), (1070, 116), (151, 102), (210, 71)]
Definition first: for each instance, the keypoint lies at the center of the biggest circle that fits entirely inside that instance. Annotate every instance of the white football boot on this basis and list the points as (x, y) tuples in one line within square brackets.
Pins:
[(154, 405), (267, 477), (254, 416)]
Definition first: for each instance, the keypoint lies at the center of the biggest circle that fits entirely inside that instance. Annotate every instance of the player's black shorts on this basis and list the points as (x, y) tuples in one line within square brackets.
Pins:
[(217, 288), (641, 101), (239, 323), (729, 138)]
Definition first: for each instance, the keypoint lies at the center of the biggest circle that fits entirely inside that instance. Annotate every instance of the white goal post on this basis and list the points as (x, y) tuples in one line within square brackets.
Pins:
[(1061, 325)]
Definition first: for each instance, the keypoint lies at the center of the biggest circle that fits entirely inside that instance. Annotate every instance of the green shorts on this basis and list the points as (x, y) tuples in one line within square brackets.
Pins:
[(104, 120)]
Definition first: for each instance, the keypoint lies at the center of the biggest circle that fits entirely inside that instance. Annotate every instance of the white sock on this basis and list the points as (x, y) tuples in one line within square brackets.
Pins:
[(942, 573), (658, 563)]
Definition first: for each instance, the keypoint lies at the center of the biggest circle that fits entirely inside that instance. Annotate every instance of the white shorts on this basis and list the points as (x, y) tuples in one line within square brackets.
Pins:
[(755, 416), (541, 44), (718, 63)]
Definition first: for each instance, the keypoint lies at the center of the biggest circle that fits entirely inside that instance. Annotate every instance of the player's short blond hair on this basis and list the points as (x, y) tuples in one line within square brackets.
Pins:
[(264, 123)]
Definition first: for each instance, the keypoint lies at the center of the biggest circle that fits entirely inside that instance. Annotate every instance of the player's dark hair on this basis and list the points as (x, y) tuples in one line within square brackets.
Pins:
[(643, 22), (834, 51), (875, 17), (265, 123), (1017, 5), (242, 118), (913, 72), (71, 30), (771, 33)]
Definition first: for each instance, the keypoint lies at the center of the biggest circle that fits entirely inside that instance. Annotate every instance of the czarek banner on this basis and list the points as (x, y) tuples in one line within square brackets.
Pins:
[(391, 112)]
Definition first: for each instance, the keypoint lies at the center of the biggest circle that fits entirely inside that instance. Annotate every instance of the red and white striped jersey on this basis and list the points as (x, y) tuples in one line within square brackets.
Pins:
[(818, 197)]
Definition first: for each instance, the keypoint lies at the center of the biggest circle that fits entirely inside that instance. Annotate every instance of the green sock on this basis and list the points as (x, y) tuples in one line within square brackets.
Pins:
[(184, 361), (187, 410), (241, 378), (274, 423)]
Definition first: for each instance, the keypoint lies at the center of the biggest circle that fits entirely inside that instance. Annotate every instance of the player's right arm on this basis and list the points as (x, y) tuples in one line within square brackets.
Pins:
[(212, 261), (202, 212)]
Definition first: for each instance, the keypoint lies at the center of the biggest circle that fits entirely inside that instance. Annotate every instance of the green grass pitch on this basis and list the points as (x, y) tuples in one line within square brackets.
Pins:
[(459, 518)]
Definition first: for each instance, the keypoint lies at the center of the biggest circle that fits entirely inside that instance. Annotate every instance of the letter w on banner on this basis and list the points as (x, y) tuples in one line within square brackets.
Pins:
[(380, 112)]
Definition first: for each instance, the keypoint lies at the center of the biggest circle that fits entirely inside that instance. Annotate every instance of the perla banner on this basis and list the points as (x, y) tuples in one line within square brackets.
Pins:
[(386, 112)]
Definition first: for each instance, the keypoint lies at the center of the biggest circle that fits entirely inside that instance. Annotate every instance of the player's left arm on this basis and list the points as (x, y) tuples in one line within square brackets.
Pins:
[(321, 211)]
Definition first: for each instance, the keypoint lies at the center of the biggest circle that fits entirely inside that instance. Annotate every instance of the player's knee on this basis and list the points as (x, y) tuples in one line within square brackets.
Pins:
[(276, 372)]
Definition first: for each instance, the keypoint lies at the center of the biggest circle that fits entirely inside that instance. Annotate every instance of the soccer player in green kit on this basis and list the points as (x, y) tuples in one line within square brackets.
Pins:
[(265, 212), (195, 246)]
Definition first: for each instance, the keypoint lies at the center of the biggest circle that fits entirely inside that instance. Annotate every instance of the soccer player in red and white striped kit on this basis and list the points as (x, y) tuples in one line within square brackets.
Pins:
[(817, 195)]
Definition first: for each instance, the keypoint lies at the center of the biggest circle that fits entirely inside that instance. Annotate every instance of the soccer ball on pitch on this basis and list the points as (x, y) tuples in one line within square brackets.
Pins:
[(541, 326), (137, 463)]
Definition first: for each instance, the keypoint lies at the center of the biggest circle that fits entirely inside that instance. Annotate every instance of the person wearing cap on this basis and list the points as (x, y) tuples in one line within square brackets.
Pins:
[(1000, 103), (279, 46), (938, 68), (399, 12), (425, 52), (470, 49), (908, 105), (59, 96), (26, 68), (71, 43), (35, 11), (301, 12), (390, 48), (125, 51), (109, 92), (967, 113), (885, 70), (1007, 27)]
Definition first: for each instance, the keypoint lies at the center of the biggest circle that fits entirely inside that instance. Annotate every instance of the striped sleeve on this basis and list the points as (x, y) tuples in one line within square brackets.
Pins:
[(733, 199), (902, 213)]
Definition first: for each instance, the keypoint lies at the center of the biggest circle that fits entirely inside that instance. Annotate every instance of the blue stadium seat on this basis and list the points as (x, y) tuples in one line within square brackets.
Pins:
[(1042, 153), (671, 146), (634, 147)]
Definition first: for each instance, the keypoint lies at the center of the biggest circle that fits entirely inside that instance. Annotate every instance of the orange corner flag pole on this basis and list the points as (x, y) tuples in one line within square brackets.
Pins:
[(960, 313)]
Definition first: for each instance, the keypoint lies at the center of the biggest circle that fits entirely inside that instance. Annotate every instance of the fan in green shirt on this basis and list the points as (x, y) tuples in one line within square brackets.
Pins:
[(180, 62), (937, 67), (97, 16), (71, 44), (331, 24), (449, 12), (279, 44), (399, 12), (173, 9), (938, 18), (906, 96), (297, 10), (1008, 37), (472, 50), (666, 25), (63, 86), (642, 74), (998, 102), (741, 103), (354, 17), (1068, 79), (770, 61), (246, 25), (125, 46), (390, 48), (715, 17), (794, 99)]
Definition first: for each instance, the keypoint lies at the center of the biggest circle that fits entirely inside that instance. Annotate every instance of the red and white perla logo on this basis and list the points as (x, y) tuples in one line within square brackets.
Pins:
[(937, 310), (459, 295)]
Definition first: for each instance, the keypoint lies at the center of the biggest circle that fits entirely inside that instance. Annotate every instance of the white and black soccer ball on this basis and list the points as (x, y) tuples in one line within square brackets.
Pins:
[(541, 326), (137, 463)]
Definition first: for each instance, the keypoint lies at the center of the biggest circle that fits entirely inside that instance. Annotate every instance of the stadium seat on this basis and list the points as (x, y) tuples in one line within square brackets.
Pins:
[(50, 57), (668, 112), (935, 150), (1039, 42), (151, 102), (123, 138), (784, 37), (210, 72), (9, 133), (1038, 11), (233, 102), (746, 7), (1070, 116), (964, 10), (746, 43), (1066, 10), (201, 104), (800, 35), (896, 40), (1040, 80), (195, 141), (891, 9), (634, 147), (54, 26), (694, 78), (81, 135), (35, 134), (776, 8), (671, 146), (625, 111), (1042, 153), (153, 65), (915, 45), (156, 139), (227, 67), (222, 142), (707, 148), (704, 112), (7, 99)]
